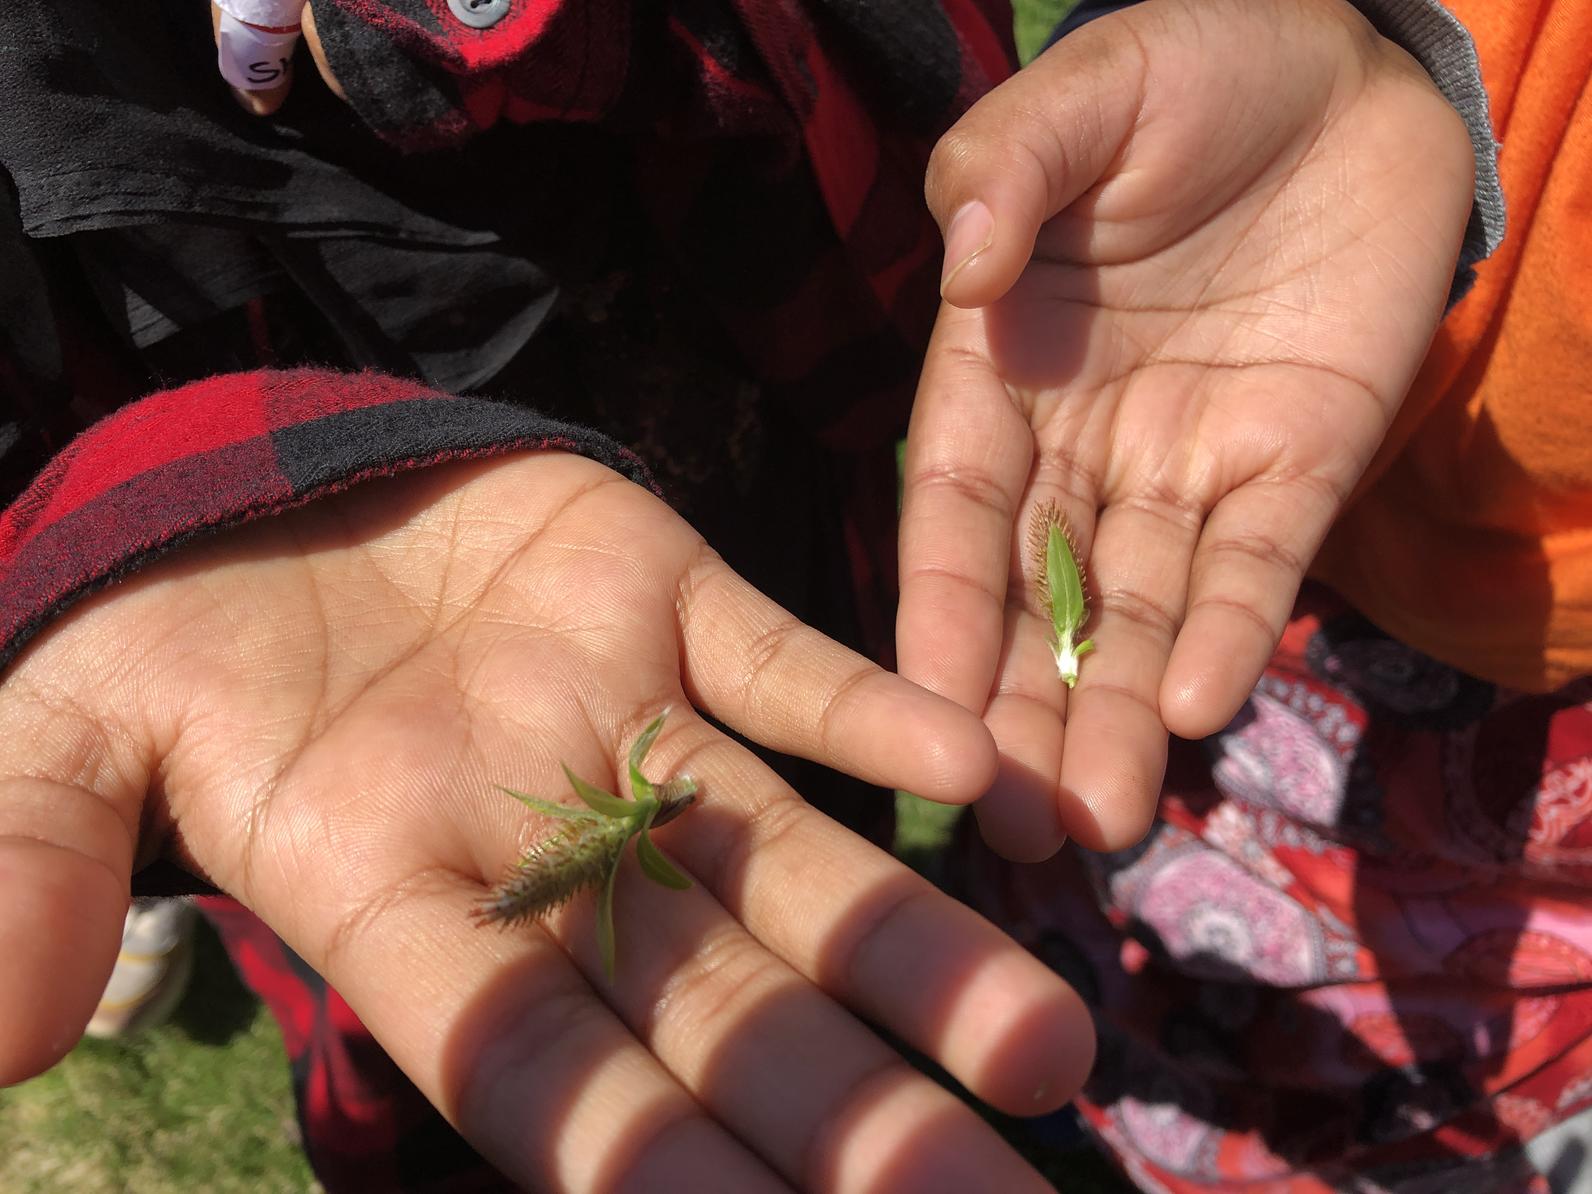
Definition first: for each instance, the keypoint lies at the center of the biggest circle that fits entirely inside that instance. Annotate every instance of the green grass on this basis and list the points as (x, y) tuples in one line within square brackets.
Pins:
[(1034, 21), (202, 1102)]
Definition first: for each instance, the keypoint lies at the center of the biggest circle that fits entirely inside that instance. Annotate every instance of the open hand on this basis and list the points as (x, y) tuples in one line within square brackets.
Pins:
[(1195, 254), (312, 712)]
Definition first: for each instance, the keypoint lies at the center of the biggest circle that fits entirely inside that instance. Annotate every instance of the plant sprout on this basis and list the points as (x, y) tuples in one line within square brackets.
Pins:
[(586, 852), (1061, 588)]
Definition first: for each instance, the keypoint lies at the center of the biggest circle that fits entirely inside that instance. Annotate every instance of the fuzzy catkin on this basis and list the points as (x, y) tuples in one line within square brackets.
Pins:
[(1046, 517), (556, 869)]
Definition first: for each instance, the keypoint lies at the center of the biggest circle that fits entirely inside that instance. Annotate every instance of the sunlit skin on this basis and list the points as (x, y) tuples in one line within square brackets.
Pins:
[(589, 846), (1219, 235), (313, 711), (1215, 239)]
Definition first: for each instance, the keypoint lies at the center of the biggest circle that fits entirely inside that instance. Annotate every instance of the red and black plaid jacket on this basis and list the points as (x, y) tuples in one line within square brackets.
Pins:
[(779, 150), (774, 150)]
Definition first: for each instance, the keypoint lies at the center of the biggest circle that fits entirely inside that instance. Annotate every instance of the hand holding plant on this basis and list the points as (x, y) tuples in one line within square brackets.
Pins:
[(587, 851), (313, 711), (1195, 254)]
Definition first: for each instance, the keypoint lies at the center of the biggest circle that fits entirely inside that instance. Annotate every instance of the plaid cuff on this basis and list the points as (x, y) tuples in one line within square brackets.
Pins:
[(230, 449)]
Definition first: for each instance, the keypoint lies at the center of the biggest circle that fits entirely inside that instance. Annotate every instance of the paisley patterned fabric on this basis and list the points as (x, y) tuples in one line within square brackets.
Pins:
[(1354, 953)]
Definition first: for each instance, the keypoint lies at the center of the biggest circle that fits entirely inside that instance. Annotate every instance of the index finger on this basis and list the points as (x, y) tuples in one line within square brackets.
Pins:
[(969, 451), (761, 671)]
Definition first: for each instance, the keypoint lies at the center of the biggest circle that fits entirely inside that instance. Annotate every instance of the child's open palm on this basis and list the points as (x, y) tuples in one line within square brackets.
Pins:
[(313, 712), (1214, 242)]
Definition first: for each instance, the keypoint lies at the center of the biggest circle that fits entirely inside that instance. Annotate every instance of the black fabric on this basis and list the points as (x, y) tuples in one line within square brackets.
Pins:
[(120, 133), (1085, 12), (27, 330), (323, 452), (897, 39), (30, 354), (154, 280)]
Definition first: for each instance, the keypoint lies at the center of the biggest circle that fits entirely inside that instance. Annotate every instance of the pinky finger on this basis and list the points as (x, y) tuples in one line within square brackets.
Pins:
[(1246, 572)]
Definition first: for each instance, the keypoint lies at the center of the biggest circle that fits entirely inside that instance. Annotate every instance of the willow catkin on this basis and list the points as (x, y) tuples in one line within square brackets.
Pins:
[(556, 869), (1060, 584)]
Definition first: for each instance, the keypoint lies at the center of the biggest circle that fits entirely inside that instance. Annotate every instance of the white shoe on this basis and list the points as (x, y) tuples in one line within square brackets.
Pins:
[(152, 970)]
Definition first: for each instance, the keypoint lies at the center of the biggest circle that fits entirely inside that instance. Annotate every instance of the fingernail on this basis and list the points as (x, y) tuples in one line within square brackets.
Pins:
[(971, 231)]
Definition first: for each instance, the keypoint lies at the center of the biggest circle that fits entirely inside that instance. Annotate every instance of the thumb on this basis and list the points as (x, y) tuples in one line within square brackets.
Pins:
[(69, 817), (1025, 151), (255, 40)]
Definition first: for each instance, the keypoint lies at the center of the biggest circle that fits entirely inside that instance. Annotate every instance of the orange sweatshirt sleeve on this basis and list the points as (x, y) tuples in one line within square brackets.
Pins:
[(1474, 542)]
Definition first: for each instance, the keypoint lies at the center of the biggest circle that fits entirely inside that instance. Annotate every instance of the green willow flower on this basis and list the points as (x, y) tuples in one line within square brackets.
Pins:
[(1061, 588), (586, 852)]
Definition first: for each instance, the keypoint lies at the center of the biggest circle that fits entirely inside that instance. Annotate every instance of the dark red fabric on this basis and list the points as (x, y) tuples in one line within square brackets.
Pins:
[(365, 1126), (779, 148), (1353, 952)]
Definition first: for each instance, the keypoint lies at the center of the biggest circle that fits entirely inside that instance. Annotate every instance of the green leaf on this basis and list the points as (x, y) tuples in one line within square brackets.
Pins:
[(658, 868), (640, 786), (552, 810), (924, 830), (596, 799), (653, 864), (1033, 21), (923, 826), (1064, 582), (605, 919)]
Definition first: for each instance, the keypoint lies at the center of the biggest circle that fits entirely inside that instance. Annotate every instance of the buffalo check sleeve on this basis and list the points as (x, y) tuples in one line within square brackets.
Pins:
[(230, 449)]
